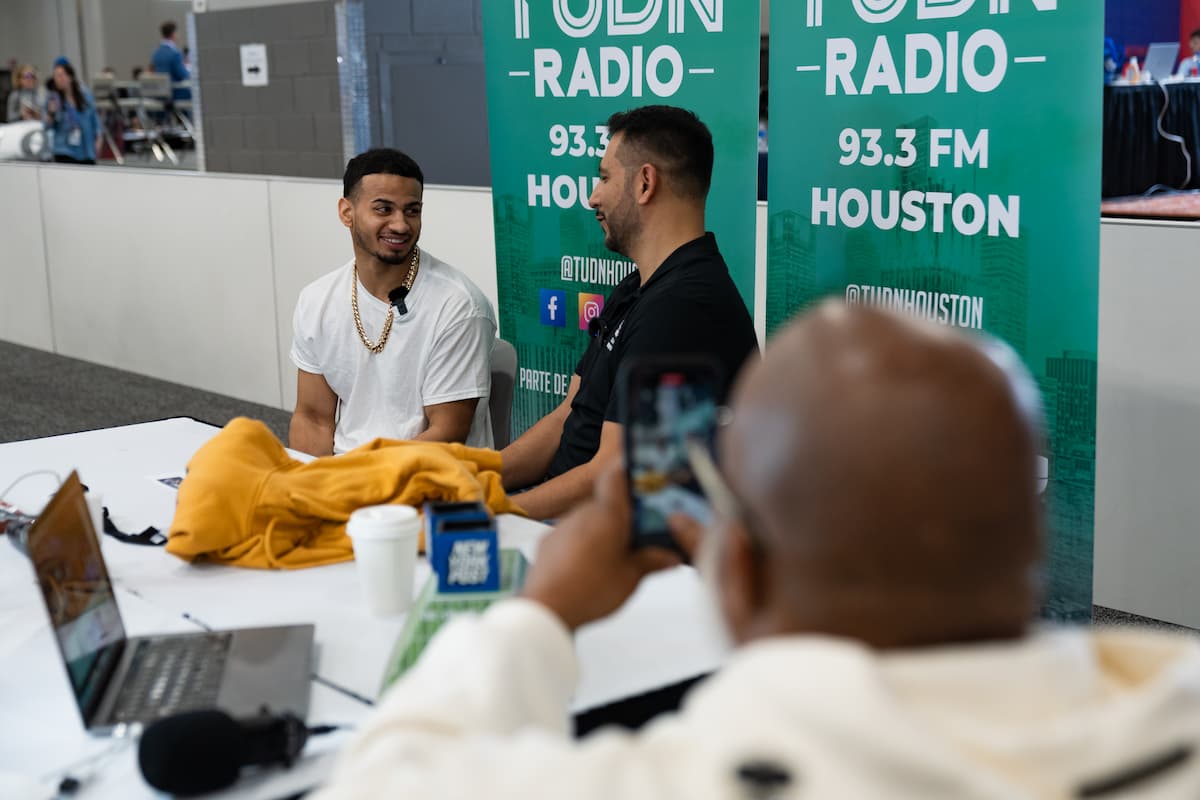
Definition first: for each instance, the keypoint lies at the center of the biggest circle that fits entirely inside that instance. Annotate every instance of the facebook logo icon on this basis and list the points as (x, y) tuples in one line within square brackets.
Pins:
[(554, 308)]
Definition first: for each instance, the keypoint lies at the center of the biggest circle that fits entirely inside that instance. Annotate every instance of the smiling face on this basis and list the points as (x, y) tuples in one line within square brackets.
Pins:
[(28, 79), (384, 218), (616, 207)]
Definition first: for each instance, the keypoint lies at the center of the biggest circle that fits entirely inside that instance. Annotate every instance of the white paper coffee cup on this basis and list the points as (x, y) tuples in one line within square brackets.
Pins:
[(385, 548)]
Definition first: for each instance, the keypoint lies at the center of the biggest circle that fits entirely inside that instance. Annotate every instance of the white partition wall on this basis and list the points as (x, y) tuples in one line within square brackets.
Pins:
[(308, 241), (760, 274), (457, 228), (24, 285), (168, 276), (1148, 421)]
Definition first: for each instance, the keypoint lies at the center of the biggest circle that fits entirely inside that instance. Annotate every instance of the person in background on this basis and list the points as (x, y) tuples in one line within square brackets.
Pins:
[(1189, 67), (1112, 60), (27, 100), (168, 60), (876, 554), (71, 117)]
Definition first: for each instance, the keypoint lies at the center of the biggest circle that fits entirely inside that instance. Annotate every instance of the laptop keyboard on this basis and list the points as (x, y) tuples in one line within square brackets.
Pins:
[(172, 674)]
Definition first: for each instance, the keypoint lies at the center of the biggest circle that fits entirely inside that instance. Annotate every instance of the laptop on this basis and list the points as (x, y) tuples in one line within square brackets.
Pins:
[(1160, 60), (120, 681)]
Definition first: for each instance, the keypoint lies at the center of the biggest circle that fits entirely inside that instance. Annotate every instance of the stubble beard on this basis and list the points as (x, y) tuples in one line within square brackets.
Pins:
[(623, 228), (384, 257)]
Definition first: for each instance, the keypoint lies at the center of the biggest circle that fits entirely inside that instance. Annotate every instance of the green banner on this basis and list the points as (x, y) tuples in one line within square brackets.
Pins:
[(556, 70), (942, 157)]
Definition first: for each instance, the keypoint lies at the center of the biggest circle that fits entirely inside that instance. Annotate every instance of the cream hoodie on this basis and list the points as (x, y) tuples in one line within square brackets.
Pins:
[(1063, 713)]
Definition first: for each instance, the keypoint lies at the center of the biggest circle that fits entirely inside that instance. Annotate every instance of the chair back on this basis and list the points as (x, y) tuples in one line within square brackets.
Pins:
[(104, 91), (155, 85), (504, 378)]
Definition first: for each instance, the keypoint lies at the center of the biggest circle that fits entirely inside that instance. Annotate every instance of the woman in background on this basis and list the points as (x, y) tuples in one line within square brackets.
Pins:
[(27, 100), (71, 115)]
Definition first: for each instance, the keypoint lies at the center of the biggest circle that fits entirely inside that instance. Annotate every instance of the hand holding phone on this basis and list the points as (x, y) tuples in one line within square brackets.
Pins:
[(585, 569), (668, 402)]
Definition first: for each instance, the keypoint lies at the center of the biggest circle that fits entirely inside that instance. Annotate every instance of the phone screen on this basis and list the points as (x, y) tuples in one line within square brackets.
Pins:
[(667, 408)]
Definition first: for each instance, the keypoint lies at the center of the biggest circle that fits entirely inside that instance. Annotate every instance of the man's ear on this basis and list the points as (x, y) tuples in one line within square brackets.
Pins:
[(346, 211), (741, 580), (646, 184)]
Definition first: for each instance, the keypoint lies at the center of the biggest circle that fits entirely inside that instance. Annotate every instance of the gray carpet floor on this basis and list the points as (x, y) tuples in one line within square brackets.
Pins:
[(47, 395), (1112, 617)]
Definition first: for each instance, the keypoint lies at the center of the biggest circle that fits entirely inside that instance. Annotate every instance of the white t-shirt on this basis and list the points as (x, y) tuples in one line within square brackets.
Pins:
[(438, 352)]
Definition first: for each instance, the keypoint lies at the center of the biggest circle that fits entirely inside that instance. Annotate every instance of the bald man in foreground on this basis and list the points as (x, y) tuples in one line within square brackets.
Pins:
[(876, 556)]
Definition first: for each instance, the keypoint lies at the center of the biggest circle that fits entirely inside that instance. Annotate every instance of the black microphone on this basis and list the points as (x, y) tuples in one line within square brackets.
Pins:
[(397, 297), (203, 751)]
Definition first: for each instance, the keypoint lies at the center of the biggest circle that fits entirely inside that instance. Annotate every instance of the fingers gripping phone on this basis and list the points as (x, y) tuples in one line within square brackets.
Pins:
[(667, 403)]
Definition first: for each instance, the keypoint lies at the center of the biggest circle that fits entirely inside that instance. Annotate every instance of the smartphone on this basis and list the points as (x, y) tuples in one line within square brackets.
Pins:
[(667, 403)]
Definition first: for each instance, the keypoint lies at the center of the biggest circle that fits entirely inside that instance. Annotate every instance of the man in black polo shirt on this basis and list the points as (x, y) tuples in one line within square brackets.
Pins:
[(654, 182)]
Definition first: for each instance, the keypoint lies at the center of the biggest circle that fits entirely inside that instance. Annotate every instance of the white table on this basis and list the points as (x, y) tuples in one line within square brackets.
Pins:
[(662, 636)]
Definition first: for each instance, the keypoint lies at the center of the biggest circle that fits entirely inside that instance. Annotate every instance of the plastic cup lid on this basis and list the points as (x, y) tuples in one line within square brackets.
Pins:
[(383, 521)]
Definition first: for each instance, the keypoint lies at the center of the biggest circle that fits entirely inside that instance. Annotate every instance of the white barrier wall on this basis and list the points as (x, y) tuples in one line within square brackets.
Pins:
[(1148, 421), (308, 240), (193, 278), (171, 279), (24, 283)]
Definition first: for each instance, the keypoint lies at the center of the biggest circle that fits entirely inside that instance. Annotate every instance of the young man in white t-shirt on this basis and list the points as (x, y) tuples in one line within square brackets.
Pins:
[(415, 366)]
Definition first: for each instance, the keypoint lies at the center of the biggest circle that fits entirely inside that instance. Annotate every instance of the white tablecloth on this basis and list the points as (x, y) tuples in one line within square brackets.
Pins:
[(662, 636)]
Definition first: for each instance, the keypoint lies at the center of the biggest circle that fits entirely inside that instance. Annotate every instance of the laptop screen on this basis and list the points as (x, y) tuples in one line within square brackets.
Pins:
[(78, 593), (1160, 59)]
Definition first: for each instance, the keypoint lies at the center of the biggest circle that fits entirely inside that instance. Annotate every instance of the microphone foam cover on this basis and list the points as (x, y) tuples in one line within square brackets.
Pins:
[(192, 753)]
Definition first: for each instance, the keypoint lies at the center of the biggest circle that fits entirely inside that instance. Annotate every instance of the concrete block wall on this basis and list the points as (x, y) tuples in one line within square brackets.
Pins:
[(292, 126), (428, 86)]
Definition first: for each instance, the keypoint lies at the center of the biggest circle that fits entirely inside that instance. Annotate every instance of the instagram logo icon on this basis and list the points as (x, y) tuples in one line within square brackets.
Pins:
[(590, 306)]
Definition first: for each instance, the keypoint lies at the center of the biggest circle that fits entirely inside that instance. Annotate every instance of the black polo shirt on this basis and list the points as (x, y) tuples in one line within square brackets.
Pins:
[(689, 306)]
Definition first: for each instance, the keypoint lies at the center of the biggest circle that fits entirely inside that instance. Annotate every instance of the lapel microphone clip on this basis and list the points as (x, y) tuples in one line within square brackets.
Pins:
[(397, 297)]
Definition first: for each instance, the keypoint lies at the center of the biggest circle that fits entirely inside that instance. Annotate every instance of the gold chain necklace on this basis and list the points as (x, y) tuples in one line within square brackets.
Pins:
[(387, 325)]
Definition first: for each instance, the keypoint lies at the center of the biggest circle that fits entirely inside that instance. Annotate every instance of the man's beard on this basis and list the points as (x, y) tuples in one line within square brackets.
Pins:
[(386, 257), (623, 229)]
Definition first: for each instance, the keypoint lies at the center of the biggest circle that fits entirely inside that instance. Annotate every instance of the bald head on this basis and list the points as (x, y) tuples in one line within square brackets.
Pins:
[(888, 467)]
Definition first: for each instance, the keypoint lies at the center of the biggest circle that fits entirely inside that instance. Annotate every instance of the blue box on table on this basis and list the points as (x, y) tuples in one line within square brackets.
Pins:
[(464, 548)]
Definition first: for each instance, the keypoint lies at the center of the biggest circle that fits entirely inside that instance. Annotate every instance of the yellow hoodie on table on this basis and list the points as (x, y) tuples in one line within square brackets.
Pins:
[(245, 502)]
